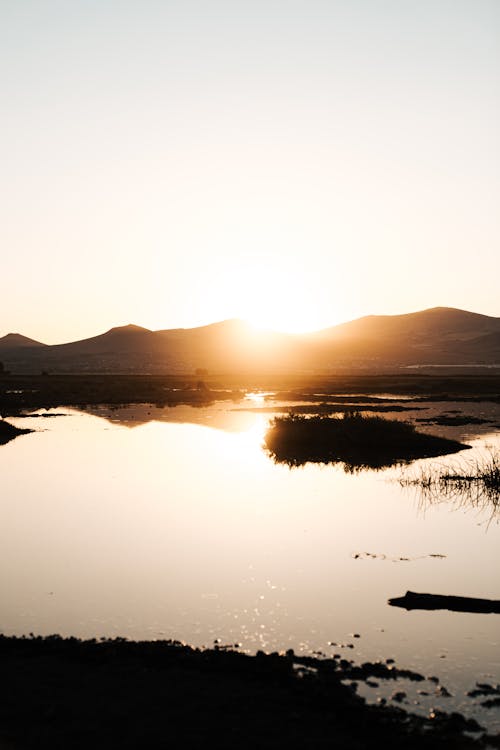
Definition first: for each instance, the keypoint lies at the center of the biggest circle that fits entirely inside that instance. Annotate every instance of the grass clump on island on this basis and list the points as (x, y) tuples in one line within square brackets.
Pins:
[(357, 440)]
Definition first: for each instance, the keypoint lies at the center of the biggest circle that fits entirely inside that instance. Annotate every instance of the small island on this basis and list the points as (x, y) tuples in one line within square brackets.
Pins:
[(357, 440)]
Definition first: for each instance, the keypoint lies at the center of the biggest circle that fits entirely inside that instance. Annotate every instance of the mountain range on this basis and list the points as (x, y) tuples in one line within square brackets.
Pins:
[(439, 336)]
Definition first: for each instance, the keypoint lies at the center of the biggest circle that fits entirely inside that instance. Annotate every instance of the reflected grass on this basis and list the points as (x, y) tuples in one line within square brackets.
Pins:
[(356, 440), (474, 484)]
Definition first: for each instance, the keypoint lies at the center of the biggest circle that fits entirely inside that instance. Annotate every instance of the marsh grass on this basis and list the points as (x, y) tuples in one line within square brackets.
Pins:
[(468, 483), (356, 440)]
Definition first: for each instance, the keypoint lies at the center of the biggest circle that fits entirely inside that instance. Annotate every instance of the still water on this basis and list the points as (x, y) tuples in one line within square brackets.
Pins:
[(174, 523)]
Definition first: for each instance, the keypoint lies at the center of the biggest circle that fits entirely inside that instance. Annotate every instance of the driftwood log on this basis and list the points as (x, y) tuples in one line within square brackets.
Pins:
[(413, 600)]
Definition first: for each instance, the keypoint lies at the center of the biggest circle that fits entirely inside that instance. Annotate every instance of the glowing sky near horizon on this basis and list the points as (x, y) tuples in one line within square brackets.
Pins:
[(175, 162)]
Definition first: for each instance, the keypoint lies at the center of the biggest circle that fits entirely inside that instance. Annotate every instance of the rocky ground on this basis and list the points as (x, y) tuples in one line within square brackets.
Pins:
[(66, 693)]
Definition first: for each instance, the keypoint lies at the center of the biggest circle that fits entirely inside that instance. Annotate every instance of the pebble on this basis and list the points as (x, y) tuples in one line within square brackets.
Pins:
[(399, 696)]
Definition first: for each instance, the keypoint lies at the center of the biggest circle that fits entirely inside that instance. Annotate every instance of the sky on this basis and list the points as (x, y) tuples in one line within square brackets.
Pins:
[(296, 163)]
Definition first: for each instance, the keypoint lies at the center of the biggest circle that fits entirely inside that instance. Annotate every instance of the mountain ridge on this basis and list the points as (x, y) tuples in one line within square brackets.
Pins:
[(18, 340), (439, 335), (241, 323)]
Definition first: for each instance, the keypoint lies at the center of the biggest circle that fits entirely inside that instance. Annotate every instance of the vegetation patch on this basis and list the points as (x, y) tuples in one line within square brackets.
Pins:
[(357, 440), (475, 483)]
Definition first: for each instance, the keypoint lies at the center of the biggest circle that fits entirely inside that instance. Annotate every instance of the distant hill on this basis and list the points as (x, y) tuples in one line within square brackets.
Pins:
[(443, 322), (121, 340), (17, 341), (441, 335)]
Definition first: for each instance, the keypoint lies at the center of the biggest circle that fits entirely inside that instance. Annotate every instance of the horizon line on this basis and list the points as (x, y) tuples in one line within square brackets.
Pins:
[(249, 324)]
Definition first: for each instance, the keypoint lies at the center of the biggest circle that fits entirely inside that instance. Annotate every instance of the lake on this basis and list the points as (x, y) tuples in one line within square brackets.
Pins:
[(156, 523)]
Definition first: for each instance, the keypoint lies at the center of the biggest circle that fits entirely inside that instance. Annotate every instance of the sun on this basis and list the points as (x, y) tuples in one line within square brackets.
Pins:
[(281, 291), (291, 305), (267, 292), (284, 321)]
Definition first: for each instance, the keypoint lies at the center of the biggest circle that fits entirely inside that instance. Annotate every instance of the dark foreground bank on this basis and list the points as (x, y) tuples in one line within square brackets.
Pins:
[(66, 693)]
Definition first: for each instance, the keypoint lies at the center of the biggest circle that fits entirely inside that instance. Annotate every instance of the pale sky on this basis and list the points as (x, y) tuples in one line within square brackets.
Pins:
[(293, 162)]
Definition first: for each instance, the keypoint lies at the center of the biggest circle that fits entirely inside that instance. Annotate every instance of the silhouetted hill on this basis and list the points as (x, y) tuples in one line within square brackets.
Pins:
[(441, 335), (17, 341), (230, 344), (489, 342), (123, 339), (436, 321)]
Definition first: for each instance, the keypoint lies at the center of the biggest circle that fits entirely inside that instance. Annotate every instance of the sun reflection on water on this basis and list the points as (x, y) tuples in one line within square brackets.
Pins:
[(258, 397)]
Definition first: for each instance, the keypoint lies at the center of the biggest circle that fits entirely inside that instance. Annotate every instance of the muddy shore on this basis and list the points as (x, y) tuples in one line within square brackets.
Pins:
[(22, 392), (63, 692)]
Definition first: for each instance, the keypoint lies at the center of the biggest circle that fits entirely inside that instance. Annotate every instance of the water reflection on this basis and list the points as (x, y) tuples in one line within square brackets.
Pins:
[(472, 484), (219, 416), (174, 530)]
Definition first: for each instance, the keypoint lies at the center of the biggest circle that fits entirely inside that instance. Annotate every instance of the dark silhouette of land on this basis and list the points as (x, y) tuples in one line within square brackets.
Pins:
[(20, 392), (9, 432), (439, 336), (66, 693), (356, 440), (14, 341)]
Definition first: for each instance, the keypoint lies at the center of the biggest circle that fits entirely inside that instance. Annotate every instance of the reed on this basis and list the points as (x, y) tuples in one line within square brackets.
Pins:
[(468, 483)]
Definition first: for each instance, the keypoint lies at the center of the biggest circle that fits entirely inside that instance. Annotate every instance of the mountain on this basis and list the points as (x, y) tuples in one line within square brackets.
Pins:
[(121, 340), (17, 341), (445, 322), (440, 335), (229, 345)]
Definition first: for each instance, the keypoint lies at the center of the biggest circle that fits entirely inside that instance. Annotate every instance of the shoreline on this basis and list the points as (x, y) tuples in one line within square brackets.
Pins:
[(20, 392), (66, 692)]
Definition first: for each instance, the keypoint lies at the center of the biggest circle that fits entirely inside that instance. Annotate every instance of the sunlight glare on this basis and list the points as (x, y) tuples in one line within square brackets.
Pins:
[(284, 299)]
